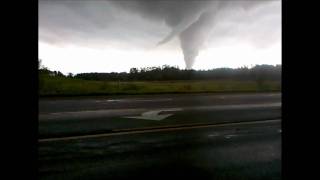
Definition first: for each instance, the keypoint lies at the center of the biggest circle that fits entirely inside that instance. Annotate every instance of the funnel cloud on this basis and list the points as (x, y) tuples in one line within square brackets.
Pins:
[(141, 24), (194, 30), (192, 21)]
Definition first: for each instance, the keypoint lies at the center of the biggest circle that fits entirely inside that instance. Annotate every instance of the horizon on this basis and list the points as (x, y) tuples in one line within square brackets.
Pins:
[(160, 67)]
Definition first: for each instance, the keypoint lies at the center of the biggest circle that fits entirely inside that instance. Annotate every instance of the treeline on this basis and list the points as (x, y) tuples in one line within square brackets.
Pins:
[(165, 73), (44, 71)]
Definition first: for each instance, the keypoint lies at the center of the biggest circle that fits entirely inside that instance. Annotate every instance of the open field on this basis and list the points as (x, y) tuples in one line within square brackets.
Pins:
[(62, 86)]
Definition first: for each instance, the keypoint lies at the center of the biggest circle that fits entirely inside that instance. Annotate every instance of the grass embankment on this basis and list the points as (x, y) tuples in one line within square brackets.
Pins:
[(62, 86)]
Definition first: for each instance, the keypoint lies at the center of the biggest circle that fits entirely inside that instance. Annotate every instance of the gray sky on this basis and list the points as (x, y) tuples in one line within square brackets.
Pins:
[(103, 35)]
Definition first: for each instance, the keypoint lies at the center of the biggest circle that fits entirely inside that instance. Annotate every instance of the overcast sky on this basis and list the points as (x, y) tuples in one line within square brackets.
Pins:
[(106, 36)]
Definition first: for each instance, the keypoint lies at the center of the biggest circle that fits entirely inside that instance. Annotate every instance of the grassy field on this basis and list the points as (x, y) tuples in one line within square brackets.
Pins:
[(62, 86)]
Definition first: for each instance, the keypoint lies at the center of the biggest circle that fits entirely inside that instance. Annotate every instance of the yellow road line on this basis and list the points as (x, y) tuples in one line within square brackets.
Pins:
[(154, 129)]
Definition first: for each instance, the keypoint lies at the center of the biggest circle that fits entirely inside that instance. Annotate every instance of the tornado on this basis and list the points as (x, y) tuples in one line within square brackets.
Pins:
[(193, 31), (190, 21), (193, 38)]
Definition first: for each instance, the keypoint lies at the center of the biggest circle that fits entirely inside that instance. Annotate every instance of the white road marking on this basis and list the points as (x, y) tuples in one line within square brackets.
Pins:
[(238, 106), (154, 115), (112, 100), (133, 100), (213, 135), (230, 136), (90, 114), (155, 100), (135, 111)]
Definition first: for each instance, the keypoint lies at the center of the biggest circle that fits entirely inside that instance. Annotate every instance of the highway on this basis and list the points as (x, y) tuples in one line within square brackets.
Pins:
[(204, 136)]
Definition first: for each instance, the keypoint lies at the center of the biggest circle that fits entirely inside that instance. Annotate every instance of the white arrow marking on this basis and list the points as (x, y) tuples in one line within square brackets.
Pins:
[(154, 115)]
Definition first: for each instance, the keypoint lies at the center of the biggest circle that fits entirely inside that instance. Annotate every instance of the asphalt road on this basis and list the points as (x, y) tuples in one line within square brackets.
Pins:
[(51, 105), (200, 136)]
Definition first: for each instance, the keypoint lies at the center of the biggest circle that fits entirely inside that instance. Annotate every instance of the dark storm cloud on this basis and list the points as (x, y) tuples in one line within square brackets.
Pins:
[(94, 23), (145, 23)]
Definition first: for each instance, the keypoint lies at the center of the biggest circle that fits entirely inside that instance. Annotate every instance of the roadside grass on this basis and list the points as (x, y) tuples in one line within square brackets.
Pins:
[(63, 86)]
